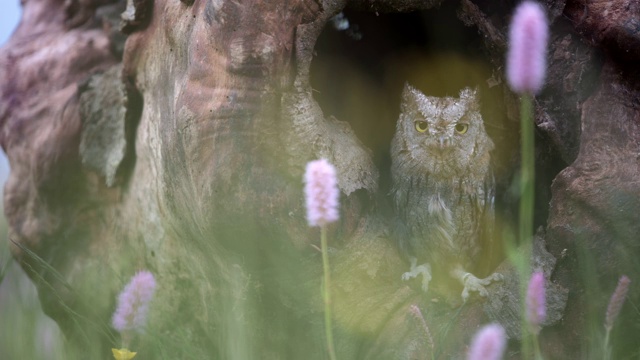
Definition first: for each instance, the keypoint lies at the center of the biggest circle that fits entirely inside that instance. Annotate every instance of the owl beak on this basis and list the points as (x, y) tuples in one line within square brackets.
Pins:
[(439, 145), (443, 142)]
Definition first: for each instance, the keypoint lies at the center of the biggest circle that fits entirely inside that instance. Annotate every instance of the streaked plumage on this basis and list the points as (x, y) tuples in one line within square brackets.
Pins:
[(443, 187)]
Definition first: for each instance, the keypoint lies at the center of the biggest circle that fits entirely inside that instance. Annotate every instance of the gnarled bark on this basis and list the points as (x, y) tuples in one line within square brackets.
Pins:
[(204, 121)]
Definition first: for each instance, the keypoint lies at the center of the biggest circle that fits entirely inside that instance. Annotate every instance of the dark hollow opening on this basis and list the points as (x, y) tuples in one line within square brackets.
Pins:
[(357, 74)]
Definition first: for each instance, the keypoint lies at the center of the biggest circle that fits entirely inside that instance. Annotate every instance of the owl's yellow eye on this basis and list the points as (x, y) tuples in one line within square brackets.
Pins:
[(461, 128), (422, 126)]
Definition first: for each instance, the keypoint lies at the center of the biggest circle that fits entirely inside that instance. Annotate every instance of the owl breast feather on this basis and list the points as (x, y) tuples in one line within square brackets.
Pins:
[(443, 224)]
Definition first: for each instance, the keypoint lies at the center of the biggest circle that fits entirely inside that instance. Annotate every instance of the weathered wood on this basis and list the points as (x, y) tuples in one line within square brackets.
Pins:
[(207, 128), (103, 105), (593, 217)]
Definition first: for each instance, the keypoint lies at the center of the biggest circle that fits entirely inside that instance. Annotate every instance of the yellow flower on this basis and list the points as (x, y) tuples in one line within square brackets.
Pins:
[(123, 354)]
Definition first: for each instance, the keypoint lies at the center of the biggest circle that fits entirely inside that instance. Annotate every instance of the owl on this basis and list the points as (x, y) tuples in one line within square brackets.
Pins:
[(442, 187)]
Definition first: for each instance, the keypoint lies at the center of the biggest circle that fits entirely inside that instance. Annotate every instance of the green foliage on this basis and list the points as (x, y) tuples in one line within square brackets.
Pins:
[(25, 331)]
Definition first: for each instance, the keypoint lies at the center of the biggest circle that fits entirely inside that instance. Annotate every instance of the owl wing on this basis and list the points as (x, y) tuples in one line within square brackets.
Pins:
[(486, 204), (399, 230)]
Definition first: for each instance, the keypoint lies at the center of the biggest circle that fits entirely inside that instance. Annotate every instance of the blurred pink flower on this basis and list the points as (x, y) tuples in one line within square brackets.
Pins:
[(415, 311), (488, 343), (321, 193), (616, 302), (526, 60), (133, 303), (536, 304)]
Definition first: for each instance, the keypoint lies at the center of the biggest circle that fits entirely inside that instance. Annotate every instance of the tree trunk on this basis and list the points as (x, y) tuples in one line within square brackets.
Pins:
[(181, 151)]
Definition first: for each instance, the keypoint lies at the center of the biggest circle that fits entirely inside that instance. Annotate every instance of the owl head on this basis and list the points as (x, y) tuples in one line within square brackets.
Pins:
[(441, 135)]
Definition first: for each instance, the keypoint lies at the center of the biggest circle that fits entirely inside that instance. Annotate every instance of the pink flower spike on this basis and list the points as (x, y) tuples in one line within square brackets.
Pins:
[(616, 302), (526, 60), (133, 303), (321, 193), (536, 304), (488, 343), (415, 311)]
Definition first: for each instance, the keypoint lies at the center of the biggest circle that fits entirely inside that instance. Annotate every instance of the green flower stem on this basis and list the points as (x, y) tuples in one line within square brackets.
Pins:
[(527, 176), (326, 293), (537, 354), (527, 172), (607, 350)]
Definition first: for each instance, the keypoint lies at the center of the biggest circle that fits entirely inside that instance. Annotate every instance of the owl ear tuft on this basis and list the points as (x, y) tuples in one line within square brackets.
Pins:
[(469, 94), (407, 88), (410, 96)]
